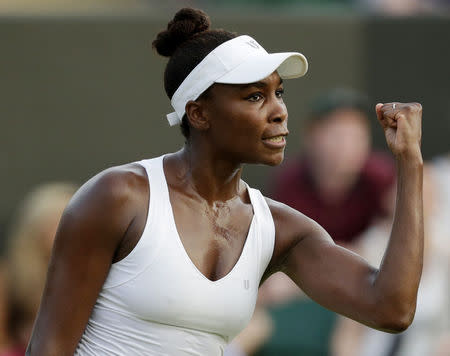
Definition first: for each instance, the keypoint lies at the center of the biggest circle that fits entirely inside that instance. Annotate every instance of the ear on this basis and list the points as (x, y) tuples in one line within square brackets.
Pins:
[(195, 113)]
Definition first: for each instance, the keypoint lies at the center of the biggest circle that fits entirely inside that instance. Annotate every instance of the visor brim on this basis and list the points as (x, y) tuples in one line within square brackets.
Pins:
[(288, 64)]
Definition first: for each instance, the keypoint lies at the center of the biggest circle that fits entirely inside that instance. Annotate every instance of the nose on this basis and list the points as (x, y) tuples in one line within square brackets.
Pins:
[(278, 111)]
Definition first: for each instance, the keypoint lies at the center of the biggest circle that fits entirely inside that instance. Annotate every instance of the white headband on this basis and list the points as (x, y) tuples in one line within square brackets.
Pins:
[(240, 60)]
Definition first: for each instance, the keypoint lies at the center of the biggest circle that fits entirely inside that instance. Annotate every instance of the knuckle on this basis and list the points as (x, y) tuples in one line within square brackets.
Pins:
[(414, 107), (401, 116)]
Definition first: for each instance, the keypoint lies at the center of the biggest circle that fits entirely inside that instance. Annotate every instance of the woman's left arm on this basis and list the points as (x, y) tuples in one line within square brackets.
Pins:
[(340, 280)]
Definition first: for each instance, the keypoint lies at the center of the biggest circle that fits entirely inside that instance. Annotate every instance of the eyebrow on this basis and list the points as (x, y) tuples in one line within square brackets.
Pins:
[(259, 84)]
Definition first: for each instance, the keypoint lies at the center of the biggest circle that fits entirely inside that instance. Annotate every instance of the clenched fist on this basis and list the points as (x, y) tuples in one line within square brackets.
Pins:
[(402, 125)]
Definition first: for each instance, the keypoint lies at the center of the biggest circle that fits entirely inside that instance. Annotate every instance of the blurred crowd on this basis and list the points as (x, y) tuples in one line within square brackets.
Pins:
[(336, 178)]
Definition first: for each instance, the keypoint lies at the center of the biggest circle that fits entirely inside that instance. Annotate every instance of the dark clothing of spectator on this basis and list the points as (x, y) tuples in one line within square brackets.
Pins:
[(346, 219)]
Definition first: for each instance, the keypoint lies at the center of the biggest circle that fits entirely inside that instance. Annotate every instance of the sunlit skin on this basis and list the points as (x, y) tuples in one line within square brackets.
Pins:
[(243, 118), (229, 127)]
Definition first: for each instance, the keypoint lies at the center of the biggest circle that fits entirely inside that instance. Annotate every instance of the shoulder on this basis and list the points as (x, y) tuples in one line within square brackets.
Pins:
[(114, 184), (288, 221), (291, 227), (118, 180), (111, 197)]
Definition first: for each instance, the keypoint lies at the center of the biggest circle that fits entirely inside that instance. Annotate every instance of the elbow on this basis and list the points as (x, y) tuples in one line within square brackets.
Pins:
[(396, 325), (395, 319)]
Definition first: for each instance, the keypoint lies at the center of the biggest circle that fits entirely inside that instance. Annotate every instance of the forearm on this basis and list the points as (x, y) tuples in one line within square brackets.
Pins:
[(397, 281)]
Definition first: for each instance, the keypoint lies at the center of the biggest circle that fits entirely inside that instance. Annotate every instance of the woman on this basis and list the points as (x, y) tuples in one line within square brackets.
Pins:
[(165, 256)]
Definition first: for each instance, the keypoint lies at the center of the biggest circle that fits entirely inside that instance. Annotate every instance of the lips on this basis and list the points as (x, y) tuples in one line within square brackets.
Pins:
[(275, 141)]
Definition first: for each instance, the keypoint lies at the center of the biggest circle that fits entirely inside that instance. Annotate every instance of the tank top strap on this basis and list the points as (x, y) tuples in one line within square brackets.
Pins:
[(151, 239), (265, 228), (155, 174)]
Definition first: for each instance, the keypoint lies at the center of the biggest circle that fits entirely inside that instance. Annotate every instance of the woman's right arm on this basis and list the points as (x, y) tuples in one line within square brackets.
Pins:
[(90, 231)]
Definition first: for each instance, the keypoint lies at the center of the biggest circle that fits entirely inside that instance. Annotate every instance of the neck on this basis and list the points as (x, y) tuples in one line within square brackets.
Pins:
[(212, 177)]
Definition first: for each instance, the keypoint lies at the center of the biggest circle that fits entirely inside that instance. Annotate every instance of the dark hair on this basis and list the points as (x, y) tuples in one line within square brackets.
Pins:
[(338, 98), (187, 40)]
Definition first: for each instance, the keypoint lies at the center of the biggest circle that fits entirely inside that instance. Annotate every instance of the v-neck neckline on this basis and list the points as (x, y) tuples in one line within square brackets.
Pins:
[(180, 242)]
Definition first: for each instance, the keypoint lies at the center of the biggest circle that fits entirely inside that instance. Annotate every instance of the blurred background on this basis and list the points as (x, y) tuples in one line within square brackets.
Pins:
[(81, 88)]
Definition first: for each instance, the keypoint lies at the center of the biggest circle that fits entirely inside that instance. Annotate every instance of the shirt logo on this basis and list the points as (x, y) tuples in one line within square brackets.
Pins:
[(253, 43), (246, 284)]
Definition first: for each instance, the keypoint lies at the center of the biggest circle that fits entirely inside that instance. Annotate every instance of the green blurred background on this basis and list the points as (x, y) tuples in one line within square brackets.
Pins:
[(81, 89)]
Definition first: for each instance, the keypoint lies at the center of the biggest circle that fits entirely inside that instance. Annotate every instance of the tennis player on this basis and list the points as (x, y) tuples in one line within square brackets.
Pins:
[(165, 256)]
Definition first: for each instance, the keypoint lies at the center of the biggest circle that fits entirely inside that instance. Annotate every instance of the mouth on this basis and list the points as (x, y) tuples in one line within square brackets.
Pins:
[(275, 141)]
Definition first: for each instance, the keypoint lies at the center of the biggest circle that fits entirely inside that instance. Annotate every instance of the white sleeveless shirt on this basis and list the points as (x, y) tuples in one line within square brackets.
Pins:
[(156, 302)]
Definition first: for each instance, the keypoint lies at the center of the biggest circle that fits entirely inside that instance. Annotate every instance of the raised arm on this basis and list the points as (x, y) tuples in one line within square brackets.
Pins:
[(383, 298), (90, 233)]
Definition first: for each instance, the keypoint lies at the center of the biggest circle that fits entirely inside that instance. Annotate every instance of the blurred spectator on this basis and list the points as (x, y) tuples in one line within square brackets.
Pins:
[(28, 253), (337, 180), (431, 327)]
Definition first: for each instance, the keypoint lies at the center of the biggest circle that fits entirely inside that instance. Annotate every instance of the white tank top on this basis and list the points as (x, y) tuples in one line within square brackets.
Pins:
[(156, 302)]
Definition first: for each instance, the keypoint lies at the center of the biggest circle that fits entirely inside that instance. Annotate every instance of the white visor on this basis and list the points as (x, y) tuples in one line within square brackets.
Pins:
[(240, 60)]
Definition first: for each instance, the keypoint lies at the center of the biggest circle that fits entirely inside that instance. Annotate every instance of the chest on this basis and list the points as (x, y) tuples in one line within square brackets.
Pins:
[(213, 293), (212, 235), (192, 267)]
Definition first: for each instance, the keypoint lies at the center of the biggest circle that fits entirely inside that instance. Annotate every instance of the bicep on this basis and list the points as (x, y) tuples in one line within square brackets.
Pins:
[(333, 276), (87, 237)]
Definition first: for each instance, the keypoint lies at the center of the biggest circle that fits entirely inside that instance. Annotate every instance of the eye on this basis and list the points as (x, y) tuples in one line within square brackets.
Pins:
[(279, 93), (254, 97)]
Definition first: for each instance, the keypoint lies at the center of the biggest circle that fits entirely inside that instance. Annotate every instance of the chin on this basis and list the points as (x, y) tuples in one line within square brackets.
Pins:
[(274, 160), (271, 158)]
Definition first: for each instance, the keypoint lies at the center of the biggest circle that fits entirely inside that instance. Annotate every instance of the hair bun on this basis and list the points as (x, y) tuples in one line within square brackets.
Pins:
[(186, 23)]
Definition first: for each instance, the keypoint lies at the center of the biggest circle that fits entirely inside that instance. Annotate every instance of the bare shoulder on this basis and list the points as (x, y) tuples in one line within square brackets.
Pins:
[(290, 224), (115, 184), (106, 205), (291, 229)]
